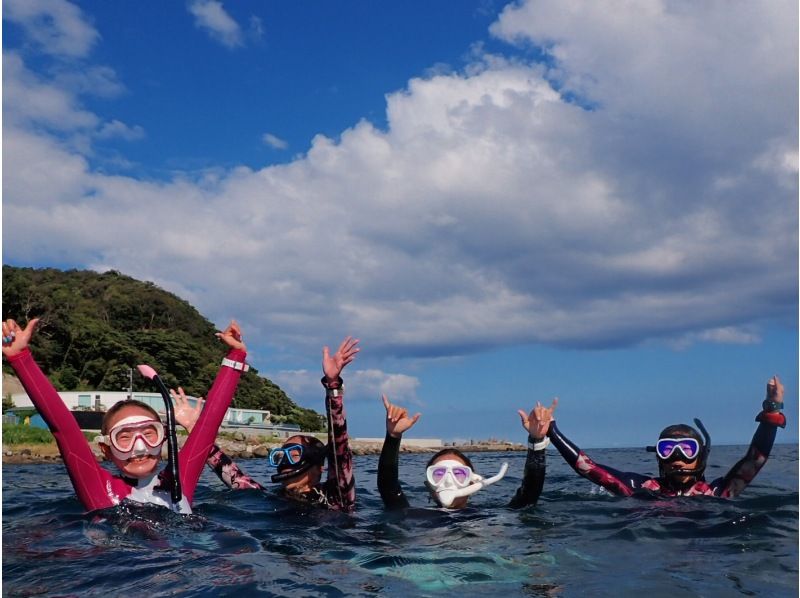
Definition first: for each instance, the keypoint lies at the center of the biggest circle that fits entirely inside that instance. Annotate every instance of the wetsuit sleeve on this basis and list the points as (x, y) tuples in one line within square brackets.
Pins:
[(533, 478), (194, 453), (746, 468), (616, 482), (388, 478), (92, 483), (230, 474), (340, 459)]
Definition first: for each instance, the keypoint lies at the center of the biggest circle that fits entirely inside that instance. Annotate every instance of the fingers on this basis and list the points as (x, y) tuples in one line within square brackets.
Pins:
[(386, 403), (326, 353), (33, 323), (415, 419), (554, 404)]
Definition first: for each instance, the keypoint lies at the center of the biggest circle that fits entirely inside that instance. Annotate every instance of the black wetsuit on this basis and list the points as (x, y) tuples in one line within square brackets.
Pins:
[(394, 497)]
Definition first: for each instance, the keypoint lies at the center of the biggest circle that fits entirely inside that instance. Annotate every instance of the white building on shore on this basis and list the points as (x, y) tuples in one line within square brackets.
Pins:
[(102, 400)]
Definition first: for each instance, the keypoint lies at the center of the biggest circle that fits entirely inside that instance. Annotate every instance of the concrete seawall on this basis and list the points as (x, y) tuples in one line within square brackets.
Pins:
[(241, 447)]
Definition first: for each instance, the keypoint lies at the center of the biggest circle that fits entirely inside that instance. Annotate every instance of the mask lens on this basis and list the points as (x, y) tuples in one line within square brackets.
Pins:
[(123, 438), (438, 473), (677, 447), (665, 448), (286, 455), (461, 474), (689, 449)]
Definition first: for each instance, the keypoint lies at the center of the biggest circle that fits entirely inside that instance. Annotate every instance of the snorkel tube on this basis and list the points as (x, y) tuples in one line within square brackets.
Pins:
[(701, 467), (172, 436), (446, 497)]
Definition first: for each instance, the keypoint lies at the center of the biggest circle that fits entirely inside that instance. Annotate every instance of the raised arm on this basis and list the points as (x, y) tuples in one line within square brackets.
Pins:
[(194, 453), (616, 482), (340, 459), (770, 419), (397, 422), (92, 483), (220, 463), (536, 424)]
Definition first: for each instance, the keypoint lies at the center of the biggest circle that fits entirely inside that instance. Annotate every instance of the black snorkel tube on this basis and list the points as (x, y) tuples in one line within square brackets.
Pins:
[(706, 446), (172, 437)]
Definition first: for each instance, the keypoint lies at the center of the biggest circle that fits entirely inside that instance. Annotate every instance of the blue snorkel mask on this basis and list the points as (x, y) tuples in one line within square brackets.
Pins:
[(294, 459)]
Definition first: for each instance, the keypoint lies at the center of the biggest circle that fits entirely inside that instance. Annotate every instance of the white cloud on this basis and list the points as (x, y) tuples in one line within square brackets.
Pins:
[(211, 16), (119, 129), (493, 209), (360, 385), (56, 26), (274, 141), (29, 100)]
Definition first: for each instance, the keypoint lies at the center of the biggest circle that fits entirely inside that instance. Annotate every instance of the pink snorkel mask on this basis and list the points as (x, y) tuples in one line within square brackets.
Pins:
[(135, 436), (449, 479)]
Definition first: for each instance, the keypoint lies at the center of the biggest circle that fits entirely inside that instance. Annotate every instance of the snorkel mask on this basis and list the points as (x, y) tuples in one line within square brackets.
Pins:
[(295, 459), (684, 443), (449, 479), (135, 436)]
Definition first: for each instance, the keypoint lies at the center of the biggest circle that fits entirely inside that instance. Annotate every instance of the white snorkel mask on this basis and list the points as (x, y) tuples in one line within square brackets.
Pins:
[(449, 479)]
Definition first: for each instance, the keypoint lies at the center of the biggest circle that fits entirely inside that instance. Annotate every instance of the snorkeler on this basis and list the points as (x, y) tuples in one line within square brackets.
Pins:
[(682, 454), (299, 461), (132, 432), (450, 475)]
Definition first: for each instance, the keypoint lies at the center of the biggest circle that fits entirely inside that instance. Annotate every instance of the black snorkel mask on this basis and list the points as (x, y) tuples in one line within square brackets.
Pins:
[(295, 459), (682, 442)]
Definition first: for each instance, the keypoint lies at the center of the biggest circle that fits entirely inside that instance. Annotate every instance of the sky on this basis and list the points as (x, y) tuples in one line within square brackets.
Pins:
[(504, 202)]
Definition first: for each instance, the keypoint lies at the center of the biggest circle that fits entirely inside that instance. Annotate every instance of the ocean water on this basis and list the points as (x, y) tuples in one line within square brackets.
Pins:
[(578, 541)]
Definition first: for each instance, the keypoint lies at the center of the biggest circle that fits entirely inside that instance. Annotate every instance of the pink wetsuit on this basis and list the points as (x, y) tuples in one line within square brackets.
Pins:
[(97, 488)]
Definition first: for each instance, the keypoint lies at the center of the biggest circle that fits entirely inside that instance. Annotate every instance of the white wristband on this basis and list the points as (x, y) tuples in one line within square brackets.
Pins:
[(236, 365), (537, 446)]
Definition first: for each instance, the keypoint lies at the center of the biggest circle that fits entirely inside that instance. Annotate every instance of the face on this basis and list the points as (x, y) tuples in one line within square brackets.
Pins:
[(135, 467), (306, 480), (461, 502), (681, 464)]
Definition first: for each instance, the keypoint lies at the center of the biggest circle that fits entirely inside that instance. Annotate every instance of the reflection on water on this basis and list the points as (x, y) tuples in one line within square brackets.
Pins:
[(578, 542)]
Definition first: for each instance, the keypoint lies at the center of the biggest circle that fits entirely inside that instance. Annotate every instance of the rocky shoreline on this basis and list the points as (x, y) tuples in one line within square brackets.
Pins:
[(238, 447)]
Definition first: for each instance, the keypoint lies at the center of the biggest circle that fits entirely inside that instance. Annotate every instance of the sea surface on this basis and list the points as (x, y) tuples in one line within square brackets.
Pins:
[(578, 541)]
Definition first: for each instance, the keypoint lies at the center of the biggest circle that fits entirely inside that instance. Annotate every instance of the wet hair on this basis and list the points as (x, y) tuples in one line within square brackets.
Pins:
[(451, 451), (117, 407), (305, 440), (319, 448), (682, 431)]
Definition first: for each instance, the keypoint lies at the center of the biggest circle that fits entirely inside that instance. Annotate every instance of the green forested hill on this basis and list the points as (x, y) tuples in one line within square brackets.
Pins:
[(94, 327)]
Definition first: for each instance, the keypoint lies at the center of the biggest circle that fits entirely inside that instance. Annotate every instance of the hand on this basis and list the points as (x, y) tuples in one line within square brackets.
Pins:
[(397, 420), (537, 422), (774, 388), (232, 336), (16, 339), (185, 414), (332, 365)]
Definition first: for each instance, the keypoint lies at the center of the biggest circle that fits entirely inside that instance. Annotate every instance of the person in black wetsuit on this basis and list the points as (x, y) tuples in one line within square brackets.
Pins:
[(451, 478), (682, 454)]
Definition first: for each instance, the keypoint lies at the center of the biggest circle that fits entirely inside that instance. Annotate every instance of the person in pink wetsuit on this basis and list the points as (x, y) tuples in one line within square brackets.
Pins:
[(132, 431)]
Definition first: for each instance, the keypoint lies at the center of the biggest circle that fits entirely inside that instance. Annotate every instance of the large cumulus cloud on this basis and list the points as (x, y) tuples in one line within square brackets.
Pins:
[(640, 184)]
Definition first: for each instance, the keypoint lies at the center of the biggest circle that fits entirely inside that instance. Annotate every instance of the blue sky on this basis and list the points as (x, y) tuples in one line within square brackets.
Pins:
[(504, 202)]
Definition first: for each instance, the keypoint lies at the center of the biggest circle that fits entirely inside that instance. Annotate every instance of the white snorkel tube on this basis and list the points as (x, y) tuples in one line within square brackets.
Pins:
[(446, 494)]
